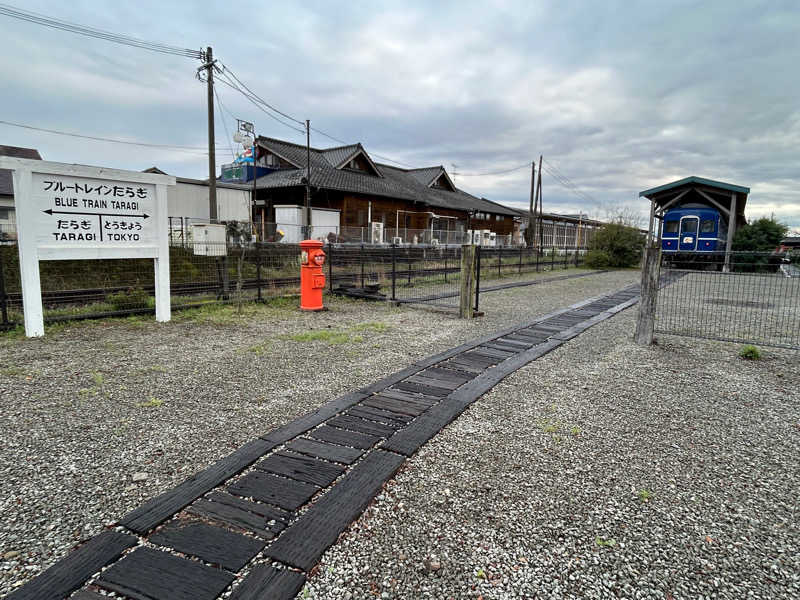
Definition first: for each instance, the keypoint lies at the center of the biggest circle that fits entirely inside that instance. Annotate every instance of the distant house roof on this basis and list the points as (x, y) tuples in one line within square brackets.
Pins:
[(6, 178), (328, 172)]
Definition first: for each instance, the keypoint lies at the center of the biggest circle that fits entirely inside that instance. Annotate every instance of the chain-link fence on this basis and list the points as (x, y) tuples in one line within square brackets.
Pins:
[(205, 272), (757, 301)]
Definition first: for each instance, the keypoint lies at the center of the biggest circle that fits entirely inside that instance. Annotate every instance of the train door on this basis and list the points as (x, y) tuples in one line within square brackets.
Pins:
[(688, 234)]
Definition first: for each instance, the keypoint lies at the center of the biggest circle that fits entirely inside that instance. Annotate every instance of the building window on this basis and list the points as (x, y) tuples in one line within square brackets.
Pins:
[(707, 226), (5, 214)]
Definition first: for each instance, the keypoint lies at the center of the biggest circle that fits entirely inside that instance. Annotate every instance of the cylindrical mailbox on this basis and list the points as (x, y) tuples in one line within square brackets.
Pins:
[(312, 279)]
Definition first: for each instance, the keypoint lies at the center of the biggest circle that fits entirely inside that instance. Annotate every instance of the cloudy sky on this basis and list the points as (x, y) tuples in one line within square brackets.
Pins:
[(618, 96)]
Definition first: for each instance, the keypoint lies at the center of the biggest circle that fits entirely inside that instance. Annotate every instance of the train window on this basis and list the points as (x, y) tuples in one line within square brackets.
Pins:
[(689, 226), (707, 226), (670, 227)]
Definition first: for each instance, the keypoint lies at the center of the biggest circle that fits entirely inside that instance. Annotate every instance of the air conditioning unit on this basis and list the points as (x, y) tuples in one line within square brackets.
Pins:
[(376, 233), (492, 238), (476, 237), (435, 242), (397, 240)]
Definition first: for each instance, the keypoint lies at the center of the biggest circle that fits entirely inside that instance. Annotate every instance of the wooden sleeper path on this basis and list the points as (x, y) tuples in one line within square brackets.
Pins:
[(257, 521)]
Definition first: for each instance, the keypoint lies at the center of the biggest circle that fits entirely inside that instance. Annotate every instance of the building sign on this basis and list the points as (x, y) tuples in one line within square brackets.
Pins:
[(74, 212)]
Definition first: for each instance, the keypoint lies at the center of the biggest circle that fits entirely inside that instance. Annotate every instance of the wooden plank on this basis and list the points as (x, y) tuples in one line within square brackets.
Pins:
[(304, 542), (148, 574), (160, 508), (408, 396), (285, 493), (420, 389), (493, 354), (237, 517), (301, 468), (265, 582), (503, 347), (399, 406), (345, 438), (442, 373), (517, 342), (454, 363), (446, 384), (86, 595), (379, 415), (72, 572), (213, 544), (332, 452), (361, 425), (269, 512)]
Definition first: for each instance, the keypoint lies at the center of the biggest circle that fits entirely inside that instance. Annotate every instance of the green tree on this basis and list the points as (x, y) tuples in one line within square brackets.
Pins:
[(615, 245), (762, 235)]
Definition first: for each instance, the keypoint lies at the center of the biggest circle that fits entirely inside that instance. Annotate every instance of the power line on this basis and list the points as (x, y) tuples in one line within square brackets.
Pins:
[(40, 19), (192, 149), (257, 97), (567, 182), (224, 80), (517, 168)]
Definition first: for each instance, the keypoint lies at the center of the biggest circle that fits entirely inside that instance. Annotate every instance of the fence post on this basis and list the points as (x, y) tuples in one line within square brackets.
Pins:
[(259, 257), (330, 266), (394, 271), (4, 324), (361, 260), (468, 287), (520, 261), (553, 259), (645, 321), (477, 276), (499, 261), (445, 264)]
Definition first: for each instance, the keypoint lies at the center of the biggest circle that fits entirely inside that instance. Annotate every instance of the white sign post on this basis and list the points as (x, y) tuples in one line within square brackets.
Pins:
[(75, 212)]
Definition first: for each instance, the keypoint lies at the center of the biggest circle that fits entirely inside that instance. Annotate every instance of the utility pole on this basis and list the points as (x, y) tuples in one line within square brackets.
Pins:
[(530, 231), (308, 179), (539, 202), (212, 158)]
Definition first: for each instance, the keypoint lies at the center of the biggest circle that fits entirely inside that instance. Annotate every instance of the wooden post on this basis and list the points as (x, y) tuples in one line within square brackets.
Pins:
[(467, 281), (731, 232), (645, 322)]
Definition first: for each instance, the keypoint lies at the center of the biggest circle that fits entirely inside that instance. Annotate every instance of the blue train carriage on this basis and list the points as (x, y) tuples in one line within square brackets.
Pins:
[(693, 228), (696, 219)]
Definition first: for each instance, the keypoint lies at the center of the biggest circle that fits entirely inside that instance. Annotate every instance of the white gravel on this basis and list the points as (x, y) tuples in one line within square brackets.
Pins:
[(98, 417), (602, 470)]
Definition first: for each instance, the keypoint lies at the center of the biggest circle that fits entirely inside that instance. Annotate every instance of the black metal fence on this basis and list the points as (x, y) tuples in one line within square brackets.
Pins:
[(756, 301), (206, 273)]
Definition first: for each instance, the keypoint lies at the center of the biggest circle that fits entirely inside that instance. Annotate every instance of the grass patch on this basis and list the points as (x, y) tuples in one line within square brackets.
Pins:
[(750, 352), (605, 543), (13, 371), (644, 495), (373, 326), (152, 403)]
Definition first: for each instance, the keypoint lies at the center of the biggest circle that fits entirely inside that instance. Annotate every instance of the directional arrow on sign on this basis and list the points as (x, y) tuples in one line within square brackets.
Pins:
[(50, 211)]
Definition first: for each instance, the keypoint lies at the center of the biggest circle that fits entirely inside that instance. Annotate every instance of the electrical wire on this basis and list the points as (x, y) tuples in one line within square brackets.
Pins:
[(517, 168), (257, 97), (192, 149), (40, 19), (222, 79)]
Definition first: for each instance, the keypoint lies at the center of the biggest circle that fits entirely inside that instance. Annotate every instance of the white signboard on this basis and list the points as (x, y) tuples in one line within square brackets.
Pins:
[(68, 212)]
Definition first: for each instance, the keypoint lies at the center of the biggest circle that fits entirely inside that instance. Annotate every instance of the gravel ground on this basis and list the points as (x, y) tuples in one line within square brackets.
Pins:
[(98, 417), (601, 470)]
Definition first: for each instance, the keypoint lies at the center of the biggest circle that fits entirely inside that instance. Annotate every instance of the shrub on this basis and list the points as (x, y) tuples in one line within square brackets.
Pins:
[(762, 235), (750, 352), (130, 299), (597, 259), (621, 244)]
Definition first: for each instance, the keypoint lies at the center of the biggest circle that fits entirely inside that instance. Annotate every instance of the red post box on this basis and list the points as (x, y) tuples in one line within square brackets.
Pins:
[(312, 279)]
